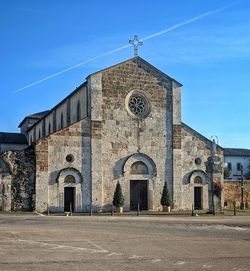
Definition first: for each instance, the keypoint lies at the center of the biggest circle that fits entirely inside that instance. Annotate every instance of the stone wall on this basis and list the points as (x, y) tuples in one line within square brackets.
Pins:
[(232, 192), (5, 186), (22, 167)]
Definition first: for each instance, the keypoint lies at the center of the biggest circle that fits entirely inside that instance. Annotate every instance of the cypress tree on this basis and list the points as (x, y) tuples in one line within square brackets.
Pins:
[(165, 197), (118, 199)]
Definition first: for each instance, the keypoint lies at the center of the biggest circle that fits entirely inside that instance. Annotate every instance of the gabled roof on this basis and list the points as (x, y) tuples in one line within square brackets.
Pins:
[(200, 136), (236, 152), (12, 138), (139, 59), (37, 116)]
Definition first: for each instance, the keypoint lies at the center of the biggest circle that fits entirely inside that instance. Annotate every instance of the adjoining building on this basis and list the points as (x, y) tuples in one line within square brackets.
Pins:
[(12, 141), (235, 159)]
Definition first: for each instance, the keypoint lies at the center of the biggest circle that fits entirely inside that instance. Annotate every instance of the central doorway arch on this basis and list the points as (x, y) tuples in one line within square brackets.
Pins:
[(139, 172)]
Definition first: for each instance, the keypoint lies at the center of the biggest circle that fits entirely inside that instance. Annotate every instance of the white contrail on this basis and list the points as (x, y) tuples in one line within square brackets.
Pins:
[(73, 67), (209, 13), (185, 23)]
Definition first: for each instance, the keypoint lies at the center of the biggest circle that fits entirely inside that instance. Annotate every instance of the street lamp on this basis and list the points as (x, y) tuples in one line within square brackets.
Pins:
[(242, 188)]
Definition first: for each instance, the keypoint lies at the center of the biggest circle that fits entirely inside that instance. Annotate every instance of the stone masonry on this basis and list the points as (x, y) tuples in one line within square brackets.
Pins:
[(21, 184)]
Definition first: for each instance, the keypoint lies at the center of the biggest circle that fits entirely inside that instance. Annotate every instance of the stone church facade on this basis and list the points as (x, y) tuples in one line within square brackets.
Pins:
[(122, 124)]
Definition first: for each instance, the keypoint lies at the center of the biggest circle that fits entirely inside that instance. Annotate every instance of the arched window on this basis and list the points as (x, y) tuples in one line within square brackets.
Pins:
[(78, 111), (62, 124), (198, 180), (139, 168), (69, 179), (39, 134)]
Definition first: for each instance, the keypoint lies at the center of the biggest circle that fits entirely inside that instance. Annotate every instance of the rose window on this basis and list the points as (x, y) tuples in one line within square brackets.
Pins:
[(138, 105)]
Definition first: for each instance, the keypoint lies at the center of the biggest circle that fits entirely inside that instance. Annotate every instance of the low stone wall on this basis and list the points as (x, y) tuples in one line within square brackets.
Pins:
[(232, 192), (22, 167)]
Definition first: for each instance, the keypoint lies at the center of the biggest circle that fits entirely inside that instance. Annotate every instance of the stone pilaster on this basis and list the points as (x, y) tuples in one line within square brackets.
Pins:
[(42, 176), (96, 102)]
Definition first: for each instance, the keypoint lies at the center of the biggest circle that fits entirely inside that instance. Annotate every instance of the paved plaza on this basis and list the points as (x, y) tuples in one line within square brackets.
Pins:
[(34, 242)]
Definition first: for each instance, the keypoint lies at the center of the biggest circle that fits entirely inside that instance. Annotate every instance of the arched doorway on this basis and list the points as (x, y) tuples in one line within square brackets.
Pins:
[(139, 171), (70, 194), (198, 179)]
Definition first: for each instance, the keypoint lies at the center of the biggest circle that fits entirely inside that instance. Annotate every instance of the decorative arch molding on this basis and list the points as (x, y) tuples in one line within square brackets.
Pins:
[(69, 171), (139, 157), (198, 173)]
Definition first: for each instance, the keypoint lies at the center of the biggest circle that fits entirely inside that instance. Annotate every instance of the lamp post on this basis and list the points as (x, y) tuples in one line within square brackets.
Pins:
[(241, 175), (242, 188), (213, 152)]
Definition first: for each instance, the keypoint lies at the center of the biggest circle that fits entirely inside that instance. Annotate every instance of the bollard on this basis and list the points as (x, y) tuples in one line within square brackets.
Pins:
[(234, 207), (112, 210), (70, 209), (138, 209), (192, 210)]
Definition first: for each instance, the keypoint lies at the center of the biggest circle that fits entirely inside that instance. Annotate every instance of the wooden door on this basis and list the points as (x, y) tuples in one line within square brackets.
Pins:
[(197, 198), (139, 194)]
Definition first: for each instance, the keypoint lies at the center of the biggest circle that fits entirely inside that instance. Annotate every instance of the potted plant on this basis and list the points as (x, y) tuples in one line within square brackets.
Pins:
[(118, 199), (165, 199), (217, 188)]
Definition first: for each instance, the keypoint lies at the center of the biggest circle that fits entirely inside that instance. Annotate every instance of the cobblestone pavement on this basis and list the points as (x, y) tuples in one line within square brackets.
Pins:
[(32, 242)]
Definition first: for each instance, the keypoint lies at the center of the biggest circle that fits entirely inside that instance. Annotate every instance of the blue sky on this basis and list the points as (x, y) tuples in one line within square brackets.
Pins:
[(209, 56)]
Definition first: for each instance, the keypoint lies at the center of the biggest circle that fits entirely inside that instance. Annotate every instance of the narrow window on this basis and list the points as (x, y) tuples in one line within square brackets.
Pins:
[(78, 111), (238, 166), (49, 130), (229, 166), (34, 133), (62, 120)]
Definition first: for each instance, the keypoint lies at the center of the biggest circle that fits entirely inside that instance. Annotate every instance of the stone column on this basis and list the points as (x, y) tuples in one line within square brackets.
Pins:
[(215, 180)]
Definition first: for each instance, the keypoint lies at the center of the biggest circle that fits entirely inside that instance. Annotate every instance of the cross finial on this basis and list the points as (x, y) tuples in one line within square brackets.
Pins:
[(136, 43)]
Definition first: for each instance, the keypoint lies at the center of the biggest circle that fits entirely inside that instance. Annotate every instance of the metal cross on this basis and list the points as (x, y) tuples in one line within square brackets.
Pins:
[(136, 43)]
